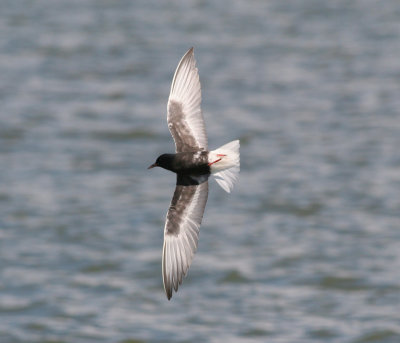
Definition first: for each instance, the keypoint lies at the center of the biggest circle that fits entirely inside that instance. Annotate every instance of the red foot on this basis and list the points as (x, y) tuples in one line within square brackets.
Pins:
[(215, 161), (221, 155)]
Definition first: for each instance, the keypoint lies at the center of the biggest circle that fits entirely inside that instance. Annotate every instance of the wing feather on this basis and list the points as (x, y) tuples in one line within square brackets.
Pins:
[(181, 233), (185, 119)]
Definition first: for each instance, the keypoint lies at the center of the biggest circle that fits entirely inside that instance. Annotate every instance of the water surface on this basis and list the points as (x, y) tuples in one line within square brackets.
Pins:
[(306, 248)]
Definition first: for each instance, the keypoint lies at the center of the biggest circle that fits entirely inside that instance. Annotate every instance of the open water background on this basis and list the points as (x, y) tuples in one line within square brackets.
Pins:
[(305, 249)]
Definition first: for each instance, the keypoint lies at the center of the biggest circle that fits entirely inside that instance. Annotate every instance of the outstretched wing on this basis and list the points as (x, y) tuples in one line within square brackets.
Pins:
[(185, 120), (181, 233)]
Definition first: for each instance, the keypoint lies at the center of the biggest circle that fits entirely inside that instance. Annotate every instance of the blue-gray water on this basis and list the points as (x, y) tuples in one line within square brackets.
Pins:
[(305, 249)]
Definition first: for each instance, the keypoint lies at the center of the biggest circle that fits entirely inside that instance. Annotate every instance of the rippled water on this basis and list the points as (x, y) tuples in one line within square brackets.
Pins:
[(306, 248)]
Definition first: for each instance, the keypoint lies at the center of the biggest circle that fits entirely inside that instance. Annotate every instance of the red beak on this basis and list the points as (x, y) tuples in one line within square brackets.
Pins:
[(152, 166)]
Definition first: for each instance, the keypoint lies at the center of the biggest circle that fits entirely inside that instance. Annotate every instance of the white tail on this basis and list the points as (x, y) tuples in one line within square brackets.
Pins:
[(225, 164)]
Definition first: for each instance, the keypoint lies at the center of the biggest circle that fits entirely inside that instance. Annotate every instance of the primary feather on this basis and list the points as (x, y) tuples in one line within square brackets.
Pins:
[(185, 120), (181, 233)]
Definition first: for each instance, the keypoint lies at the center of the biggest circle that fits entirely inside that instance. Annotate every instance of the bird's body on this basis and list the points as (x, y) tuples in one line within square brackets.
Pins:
[(193, 164), (188, 163)]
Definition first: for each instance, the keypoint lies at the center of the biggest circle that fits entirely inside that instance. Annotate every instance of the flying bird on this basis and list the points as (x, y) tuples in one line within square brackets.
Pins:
[(193, 163)]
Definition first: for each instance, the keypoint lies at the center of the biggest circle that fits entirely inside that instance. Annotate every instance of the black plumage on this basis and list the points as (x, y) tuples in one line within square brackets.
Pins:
[(192, 168)]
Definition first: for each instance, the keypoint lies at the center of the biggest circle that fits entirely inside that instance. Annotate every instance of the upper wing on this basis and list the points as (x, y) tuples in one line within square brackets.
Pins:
[(185, 120), (181, 233)]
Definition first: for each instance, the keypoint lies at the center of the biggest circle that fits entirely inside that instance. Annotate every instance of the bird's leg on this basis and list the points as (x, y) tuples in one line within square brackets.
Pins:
[(219, 155)]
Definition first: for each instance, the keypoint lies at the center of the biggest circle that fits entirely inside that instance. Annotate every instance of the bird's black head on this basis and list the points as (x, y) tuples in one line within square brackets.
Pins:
[(163, 161)]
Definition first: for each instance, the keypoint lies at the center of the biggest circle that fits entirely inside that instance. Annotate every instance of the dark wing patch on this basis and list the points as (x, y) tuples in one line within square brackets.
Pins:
[(181, 233), (179, 128)]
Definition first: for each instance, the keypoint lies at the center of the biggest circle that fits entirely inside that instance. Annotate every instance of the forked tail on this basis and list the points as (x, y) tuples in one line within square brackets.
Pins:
[(224, 163)]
